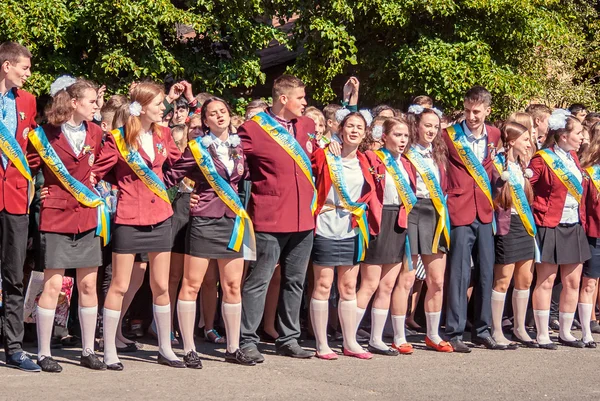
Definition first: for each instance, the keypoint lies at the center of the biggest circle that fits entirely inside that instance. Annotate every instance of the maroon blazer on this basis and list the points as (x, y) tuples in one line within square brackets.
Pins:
[(592, 210), (209, 204), (380, 172), (137, 205), (465, 200), (549, 193), (61, 212), (368, 196), (281, 195), (13, 186)]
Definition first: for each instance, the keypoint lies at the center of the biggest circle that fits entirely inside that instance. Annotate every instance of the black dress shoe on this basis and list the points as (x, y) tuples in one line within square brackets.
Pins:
[(574, 344), (48, 364), (92, 361), (591, 344), (176, 363), (549, 346), (526, 344), (192, 360), (489, 343), (459, 346), (386, 352), (595, 326), (239, 357), (130, 347), (253, 353), (115, 366), (295, 351)]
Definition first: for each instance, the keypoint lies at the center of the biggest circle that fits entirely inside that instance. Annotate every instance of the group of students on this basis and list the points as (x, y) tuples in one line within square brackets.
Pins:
[(482, 200)]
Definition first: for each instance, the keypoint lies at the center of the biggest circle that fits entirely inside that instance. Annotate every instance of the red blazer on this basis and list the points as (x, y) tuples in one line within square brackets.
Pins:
[(61, 212), (592, 209), (465, 200), (13, 186), (368, 196), (137, 205), (549, 193), (281, 195), (380, 172)]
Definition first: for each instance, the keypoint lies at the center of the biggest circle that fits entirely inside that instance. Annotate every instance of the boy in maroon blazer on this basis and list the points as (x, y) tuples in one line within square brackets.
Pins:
[(17, 118), (471, 216), (280, 207)]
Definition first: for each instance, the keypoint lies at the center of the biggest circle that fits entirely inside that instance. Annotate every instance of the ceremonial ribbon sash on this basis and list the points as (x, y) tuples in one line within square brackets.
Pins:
[(243, 229), (11, 149), (594, 173), (436, 194), (563, 173), (291, 146), (472, 163), (519, 202), (77, 189), (140, 168), (357, 209)]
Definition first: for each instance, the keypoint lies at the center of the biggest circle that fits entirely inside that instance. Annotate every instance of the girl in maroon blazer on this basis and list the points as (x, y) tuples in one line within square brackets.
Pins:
[(590, 162), (210, 229), (143, 216), (559, 211), (379, 271), (336, 243), (68, 228), (515, 246)]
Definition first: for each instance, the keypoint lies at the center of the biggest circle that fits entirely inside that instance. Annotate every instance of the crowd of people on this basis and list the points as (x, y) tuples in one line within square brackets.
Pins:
[(297, 222)]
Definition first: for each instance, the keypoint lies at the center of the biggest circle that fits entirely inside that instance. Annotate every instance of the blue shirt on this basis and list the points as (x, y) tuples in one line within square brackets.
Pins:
[(8, 115)]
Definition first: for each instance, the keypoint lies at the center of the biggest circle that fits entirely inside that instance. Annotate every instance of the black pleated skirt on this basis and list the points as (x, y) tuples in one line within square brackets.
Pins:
[(332, 252), (180, 219), (209, 237), (142, 239), (591, 268), (422, 222), (563, 244), (71, 251), (389, 246), (515, 246)]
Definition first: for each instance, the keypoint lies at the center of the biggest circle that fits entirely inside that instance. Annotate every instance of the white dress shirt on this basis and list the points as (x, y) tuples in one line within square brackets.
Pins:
[(390, 192), (422, 191), (570, 214), (75, 136), (478, 145), (222, 149), (515, 170)]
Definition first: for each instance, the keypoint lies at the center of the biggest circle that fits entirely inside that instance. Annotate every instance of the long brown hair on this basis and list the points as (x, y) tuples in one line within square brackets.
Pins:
[(439, 149), (591, 155), (554, 135), (525, 120), (512, 131), (143, 93), (60, 110)]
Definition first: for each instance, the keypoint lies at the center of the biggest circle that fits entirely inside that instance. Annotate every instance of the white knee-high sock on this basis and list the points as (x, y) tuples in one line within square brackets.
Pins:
[(347, 314), (360, 313), (399, 329), (565, 320), (585, 315), (44, 320), (433, 326), (319, 315), (542, 318), (232, 316), (186, 313), (110, 321), (162, 317), (87, 320), (520, 299), (498, 299), (378, 318)]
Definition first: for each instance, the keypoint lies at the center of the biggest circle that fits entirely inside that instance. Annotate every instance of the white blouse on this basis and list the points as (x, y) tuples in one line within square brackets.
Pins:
[(390, 192)]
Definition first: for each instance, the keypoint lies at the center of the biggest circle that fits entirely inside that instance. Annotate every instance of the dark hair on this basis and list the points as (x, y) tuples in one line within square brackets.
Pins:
[(330, 110), (284, 84), (576, 108), (12, 51), (554, 135), (439, 148), (382, 107), (349, 116), (60, 110), (591, 119), (181, 102), (478, 94), (256, 103), (208, 101), (591, 154)]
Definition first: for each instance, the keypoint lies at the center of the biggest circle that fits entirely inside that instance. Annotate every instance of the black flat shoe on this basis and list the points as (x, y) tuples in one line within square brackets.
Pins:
[(253, 353), (295, 351), (174, 363), (130, 347), (192, 360), (459, 346), (489, 343), (92, 361), (549, 346), (526, 344), (48, 364), (573, 344), (239, 357), (591, 344), (386, 352), (115, 366)]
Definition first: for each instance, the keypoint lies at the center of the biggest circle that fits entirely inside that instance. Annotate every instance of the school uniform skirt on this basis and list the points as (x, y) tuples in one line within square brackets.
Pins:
[(208, 238), (422, 222), (335, 252), (389, 246), (71, 251), (591, 268), (142, 239), (179, 221), (563, 244), (517, 245)]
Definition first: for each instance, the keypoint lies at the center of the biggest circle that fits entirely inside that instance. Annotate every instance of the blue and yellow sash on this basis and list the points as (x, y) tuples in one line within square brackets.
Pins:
[(140, 168), (563, 173), (594, 173), (472, 163), (78, 190), (437, 196), (291, 146), (519, 202), (359, 210), (11, 149), (243, 230)]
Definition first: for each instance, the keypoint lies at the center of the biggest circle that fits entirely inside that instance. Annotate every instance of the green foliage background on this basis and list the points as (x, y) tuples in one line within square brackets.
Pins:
[(522, 50)]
